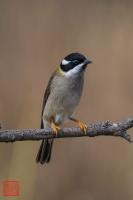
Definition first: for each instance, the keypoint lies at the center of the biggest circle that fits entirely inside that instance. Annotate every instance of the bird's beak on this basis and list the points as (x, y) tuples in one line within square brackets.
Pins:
[(86, 62)]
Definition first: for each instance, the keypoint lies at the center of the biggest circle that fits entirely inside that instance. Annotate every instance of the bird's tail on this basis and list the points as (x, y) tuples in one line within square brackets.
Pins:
[(44, 153)]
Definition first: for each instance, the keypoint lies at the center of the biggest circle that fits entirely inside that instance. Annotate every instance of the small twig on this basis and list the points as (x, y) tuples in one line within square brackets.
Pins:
[(103, 128)]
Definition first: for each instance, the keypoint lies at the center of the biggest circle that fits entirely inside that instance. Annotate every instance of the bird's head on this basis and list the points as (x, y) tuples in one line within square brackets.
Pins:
[(73, 64)]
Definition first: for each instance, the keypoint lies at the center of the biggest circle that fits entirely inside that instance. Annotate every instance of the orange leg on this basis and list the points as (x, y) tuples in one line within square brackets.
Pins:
[(55, 128), (81, 125)]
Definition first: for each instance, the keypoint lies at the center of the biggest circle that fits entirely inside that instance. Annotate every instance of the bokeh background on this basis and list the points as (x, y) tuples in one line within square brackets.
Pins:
[(34, 37)]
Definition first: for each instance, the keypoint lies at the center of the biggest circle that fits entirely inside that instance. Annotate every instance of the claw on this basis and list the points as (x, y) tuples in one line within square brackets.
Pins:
[(55, 128), (82, 125)]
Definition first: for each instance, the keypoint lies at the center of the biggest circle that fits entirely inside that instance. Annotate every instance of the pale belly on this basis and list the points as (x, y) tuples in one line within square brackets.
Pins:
[(60, 107)]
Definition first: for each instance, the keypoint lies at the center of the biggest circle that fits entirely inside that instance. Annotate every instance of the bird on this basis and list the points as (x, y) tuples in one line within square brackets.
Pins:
[(61, 97)]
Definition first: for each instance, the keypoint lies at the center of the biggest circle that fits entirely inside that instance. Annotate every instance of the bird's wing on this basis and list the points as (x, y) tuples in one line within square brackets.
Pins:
[(45, 98)]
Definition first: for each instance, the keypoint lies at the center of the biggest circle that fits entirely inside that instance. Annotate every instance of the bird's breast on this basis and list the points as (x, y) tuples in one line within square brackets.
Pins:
[(68, 91), (64, 97)]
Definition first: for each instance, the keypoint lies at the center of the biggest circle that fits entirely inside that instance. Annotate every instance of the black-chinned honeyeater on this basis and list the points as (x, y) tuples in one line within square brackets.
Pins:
[(61, 97)]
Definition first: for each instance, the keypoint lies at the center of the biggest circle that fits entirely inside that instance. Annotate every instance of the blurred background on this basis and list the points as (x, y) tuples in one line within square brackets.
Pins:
[(34, 37)]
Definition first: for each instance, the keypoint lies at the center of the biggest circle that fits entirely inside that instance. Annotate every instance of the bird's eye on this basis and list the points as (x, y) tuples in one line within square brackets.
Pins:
[(75, 62)]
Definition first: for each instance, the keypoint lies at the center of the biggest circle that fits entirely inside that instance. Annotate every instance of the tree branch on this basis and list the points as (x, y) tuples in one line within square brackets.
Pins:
[(103, 128)]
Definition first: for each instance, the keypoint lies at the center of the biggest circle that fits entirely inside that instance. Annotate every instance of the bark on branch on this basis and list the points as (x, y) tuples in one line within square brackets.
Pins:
[(118, 129)]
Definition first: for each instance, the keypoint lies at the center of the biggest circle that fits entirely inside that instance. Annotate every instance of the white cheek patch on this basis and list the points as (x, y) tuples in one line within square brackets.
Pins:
[(74, 71), (65, 62)]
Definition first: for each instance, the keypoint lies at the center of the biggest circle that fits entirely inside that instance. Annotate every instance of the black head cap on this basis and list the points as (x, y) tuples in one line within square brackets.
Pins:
[(72, 60), (75, 56)]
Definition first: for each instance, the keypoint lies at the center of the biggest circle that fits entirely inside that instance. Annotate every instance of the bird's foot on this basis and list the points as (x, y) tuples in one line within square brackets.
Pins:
[(55, 128), (82, 125)]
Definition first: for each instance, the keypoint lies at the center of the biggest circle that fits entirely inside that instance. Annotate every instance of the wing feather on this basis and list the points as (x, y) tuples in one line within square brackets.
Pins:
[(45, 98)]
